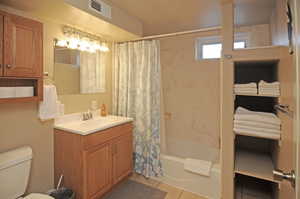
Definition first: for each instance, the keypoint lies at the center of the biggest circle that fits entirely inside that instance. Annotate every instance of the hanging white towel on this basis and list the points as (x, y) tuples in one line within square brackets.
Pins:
[(48, 108), (201, 167)]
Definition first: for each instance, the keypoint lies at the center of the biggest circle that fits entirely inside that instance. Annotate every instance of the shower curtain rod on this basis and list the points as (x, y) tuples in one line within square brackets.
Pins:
[(175, 34)]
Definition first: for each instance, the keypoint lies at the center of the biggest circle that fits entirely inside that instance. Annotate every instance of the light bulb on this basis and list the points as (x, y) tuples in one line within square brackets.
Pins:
[(83, 45), (104, 48), (73, 44), (62, 43)]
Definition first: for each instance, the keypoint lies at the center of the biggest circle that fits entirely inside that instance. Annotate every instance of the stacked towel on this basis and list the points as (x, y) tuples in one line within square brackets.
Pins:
[(259, 124), (250, 88), (265, 88)]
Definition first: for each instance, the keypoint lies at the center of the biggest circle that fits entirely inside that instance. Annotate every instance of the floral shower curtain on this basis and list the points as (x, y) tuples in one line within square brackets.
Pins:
[(136, 94)]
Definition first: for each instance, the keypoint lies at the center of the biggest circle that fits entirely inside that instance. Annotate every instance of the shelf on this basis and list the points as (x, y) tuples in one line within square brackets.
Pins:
[(256, 95), (20, 100), (270, 136), (249, 188), (254, 164), (36, 83)]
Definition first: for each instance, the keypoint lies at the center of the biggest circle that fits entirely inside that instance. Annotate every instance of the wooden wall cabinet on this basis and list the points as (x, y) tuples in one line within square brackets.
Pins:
[(23, 49), (93, 164), (21, 55)]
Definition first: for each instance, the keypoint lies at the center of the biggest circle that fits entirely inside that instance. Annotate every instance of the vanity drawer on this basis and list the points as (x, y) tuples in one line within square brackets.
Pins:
[(95, 139)]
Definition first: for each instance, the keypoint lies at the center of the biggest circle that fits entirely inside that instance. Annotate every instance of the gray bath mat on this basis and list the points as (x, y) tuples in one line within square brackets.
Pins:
[(133, 190)]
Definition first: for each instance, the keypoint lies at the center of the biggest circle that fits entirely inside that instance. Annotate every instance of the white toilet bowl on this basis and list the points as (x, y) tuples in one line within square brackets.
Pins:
[(38, 196), (14, 174)]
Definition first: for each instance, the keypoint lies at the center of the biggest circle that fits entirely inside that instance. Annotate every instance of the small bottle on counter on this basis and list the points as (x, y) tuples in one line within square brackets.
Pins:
[(103, 110)]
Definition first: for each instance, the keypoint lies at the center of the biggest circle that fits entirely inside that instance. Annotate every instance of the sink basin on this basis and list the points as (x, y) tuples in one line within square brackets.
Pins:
[(73, 123)]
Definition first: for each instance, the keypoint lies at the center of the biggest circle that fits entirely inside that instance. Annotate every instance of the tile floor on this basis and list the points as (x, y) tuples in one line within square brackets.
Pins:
[(172, 192)]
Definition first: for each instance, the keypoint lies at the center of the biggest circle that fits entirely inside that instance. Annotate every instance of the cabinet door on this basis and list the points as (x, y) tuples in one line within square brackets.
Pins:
[(98, 173), (122, 157), (23, 47), (1, 42)]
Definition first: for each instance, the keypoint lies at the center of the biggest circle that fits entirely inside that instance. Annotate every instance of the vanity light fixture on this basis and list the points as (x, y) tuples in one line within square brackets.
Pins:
[(82, 41)]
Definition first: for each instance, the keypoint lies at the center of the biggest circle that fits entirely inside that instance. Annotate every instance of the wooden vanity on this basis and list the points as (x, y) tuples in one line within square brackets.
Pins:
[(92, 164)]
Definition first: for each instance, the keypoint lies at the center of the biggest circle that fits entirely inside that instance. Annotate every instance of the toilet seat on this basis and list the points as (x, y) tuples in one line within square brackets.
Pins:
[(38, 196)]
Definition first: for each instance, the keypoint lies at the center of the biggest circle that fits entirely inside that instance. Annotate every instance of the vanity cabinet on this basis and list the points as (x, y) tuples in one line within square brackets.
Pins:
[(21, 55), (92, 164), (97, 165), (122, 158)]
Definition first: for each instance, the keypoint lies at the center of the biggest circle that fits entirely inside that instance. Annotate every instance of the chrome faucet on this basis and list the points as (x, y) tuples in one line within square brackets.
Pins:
[(87, 116)]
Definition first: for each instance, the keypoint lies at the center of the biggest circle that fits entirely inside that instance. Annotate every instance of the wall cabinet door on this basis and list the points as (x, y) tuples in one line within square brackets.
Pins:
[(23, 48), (98, 174), (122, 157), (1, 42)]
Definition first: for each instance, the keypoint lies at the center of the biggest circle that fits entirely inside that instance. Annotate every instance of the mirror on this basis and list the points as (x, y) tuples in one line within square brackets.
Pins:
[(79, 72)]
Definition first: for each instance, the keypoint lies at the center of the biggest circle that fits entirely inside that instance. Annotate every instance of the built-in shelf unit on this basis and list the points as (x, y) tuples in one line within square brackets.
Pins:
[(254, 152)]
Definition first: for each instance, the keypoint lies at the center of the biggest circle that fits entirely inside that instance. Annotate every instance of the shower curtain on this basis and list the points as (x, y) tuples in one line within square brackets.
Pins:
[(136, 94)]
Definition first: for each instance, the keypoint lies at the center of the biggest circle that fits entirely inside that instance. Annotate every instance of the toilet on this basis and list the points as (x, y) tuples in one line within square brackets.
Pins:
[(14, 174)]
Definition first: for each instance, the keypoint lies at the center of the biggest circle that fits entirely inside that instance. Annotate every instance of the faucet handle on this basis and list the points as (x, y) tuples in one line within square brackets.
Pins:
[(83, 116), (90, 114)]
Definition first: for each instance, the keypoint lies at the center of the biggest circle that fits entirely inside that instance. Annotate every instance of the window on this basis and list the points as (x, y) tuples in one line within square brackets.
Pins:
[(211, 47), (211, 51)]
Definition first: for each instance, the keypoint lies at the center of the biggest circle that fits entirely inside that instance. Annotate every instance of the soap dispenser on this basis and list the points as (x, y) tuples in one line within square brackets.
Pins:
[(103, 110)]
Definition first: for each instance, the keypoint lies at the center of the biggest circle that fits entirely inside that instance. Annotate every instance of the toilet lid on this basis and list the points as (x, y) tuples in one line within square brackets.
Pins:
[(38, 196)]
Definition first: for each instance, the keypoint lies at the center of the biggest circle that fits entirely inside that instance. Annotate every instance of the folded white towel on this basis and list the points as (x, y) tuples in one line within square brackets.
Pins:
[(257, 129), (268, 89), (270, 93), (275, 92), (248, 132), (257, 124), (201, 167), (264, 83), (249, 85), (245, 89), (247, 115), (48, 108), (245, 93)]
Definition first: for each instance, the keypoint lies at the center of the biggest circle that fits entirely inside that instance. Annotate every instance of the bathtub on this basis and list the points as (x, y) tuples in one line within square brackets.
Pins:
[(175, 175)]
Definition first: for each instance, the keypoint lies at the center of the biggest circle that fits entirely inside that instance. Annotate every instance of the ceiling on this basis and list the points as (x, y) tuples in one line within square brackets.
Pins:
[(61, 13), (157, 16), (167, 16)]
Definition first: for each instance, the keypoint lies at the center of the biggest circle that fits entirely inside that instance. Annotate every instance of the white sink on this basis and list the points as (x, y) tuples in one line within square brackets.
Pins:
[(74, 124)]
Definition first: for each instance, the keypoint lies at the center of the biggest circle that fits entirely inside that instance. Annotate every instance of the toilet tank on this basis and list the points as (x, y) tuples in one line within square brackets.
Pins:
[(14, 172)]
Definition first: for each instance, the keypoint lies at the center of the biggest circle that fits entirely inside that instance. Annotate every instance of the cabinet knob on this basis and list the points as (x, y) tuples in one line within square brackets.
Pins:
[(8, 66)]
